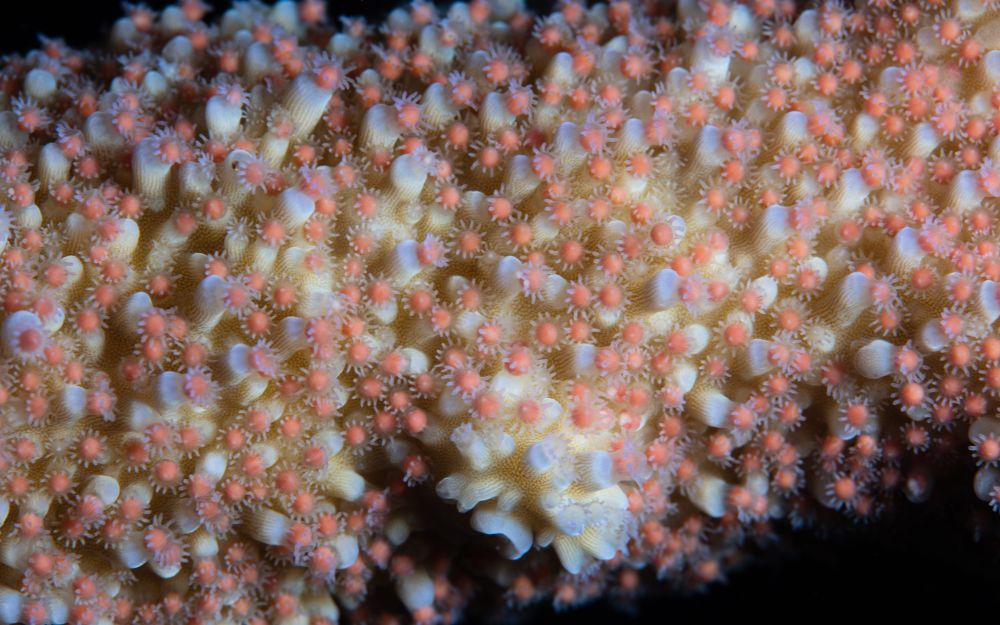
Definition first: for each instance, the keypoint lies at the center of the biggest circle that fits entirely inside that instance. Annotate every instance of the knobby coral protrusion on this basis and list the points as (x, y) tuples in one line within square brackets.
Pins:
[(615, 288)]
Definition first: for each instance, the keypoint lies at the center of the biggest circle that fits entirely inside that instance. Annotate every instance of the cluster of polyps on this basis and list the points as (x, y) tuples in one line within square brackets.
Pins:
[(619, 286)]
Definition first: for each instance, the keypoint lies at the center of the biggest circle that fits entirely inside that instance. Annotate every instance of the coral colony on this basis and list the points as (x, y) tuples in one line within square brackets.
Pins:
[(371, 323)]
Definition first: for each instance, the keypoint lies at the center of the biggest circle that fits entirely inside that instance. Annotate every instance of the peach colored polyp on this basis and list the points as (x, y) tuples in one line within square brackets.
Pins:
[(303, 325)]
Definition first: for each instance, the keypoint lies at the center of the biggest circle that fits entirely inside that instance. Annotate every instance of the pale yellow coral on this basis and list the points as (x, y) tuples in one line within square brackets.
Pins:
[(607, 290)]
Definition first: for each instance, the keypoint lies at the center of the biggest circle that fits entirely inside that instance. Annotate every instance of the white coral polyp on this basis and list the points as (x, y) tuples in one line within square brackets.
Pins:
[(476, 302)]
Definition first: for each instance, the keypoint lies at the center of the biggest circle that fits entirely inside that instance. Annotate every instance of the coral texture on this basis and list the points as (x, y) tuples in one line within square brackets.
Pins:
[(302, 324)]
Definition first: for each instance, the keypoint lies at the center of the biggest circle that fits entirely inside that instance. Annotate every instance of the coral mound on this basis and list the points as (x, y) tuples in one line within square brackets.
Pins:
[(302, 324)]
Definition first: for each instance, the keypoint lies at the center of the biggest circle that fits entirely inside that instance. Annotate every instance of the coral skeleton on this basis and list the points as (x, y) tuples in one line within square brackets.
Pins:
[(307, 321)]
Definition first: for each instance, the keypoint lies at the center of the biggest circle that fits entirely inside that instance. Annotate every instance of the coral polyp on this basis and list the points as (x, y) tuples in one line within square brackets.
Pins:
[(304, 323)]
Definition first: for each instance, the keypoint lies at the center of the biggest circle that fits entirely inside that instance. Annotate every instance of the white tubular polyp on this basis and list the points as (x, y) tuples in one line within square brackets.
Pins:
[(290, 336), (697, 337), (710, 407), (661, 290), (708, 494), (416, 590), (407, 175), (223, 117), (229, 180), (989, 301), (704, 59), (101, 134), (53, 166), (404, 263), (493, 113), (905, 253), (72, 402), (865, 129), (923, 140), (520, 181), (570, 554), (849, 194), (103, 487), (40, 85), (874, 360), (851, 298), (267, 526), (708, 151), (631, 138), (543, 455), (792, 129), (595, 470), (964, 193), (437, 110), (472, 447), (150, 173), (757, 362), (212, 465), (771, 230), (985, 482), (23, 335), (209, 302), (345, 484), (305, 102), (294, 208), (379, 128), (505, 277), (137, 305), (169, 391), (10, 605), (931, 338), (560, 70), (494, 522), (567, 149), (477, 491)]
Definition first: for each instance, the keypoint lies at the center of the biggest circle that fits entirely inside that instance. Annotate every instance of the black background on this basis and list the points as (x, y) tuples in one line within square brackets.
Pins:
[(926, 557)]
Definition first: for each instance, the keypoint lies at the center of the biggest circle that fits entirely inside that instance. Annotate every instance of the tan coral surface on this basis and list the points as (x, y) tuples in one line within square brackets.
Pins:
[(302, 324)]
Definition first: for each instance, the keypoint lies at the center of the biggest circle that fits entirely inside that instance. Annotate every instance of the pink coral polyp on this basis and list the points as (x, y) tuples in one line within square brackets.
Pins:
[(610, 291)]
